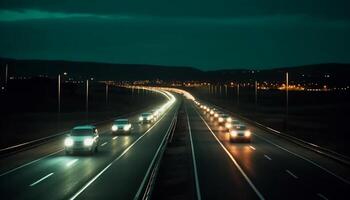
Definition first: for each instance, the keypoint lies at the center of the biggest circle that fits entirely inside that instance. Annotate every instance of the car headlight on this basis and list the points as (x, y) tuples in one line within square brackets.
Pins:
[(88, 141), (68, 142), (221, 119), (114, 127), (229, 119), (234, 133), (216, 115), (247, 133), (228, 125), (127, 127), (140, 118), (211, 112)]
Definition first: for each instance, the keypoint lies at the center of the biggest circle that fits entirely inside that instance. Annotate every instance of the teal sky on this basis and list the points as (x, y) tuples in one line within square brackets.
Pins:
[(203, 34)]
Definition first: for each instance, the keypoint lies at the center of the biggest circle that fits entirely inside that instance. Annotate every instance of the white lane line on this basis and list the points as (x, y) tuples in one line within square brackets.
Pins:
[(252, 147), (306, 159), (43, 178), (235, 162), (70, 163), (290, 173), (103, 144), (267, 157), (115, 137), (322, 196), (34, 161), (115, 160), (136, 197), (193, 159)]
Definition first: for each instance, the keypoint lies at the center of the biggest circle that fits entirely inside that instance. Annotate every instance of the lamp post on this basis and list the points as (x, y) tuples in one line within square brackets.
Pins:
[(237, 93), (256, 95), (107, 92), (59, 93), (287, 99), (87, 97)]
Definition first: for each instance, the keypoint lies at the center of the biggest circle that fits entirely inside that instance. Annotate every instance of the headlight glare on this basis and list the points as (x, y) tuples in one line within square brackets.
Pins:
[(68, 142)]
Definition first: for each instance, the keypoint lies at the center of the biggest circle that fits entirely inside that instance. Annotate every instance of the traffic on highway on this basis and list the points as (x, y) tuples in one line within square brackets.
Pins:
[(230, 158)]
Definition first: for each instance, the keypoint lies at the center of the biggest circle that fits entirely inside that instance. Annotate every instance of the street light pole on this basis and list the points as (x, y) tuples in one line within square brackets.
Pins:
[(256, 94), (287, 98), (6, 75), (107, 93), (238, 93), (59, 93), (87, 96)]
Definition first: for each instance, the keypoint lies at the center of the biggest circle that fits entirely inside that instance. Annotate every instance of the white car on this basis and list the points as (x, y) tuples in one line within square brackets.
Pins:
[(232, 123), (82, 139), (224, 118), (121, 126), (146, 118), (240, 133)]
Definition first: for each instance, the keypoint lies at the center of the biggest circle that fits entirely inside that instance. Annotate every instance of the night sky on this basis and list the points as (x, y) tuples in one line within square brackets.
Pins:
[(207, 34)]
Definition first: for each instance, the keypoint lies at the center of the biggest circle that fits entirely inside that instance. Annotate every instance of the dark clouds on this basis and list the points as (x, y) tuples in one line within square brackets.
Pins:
[(205, 34), (198, 8)]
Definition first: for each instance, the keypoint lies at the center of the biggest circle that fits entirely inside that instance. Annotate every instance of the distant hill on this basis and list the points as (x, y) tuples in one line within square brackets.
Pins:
[(330, 73)]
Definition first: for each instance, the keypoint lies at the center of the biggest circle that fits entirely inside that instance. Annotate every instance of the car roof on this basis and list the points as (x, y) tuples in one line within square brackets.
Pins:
[(121, 120), (84, 127)]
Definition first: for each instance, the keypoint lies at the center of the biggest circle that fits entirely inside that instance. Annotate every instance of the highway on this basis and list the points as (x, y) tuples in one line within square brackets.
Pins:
[(116, 171), (269, 167)]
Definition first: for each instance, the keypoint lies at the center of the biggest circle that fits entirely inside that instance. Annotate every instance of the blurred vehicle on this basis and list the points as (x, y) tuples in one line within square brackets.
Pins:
[(232, 123), (121, 126), (217, 114), (146, 118), (224, 118), (82, 139), (240, 133), (212, 111), (155, 113)]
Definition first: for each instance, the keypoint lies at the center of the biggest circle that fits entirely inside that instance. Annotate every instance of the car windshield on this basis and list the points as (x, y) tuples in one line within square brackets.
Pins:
[(121, 122), (145, 114), (241, 128), (81, 132)]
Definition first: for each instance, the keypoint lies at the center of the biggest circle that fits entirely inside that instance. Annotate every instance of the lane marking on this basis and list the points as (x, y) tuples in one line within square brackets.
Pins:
[(290, 173), (70, 163), (153, 160), (252, 147), (115, 137), (103, 144), (322, 196), (295, 154), (306, 159), (193, 158), (34, 161), (234, 161), (267, 157), (116, 159), (43, 178)]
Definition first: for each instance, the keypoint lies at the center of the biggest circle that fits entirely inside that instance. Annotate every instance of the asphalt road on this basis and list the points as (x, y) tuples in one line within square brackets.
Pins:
[(115, 172), (267, 168)]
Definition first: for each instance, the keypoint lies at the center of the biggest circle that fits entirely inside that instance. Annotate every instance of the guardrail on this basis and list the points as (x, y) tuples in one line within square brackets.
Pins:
[(147, 190), (308, 145)]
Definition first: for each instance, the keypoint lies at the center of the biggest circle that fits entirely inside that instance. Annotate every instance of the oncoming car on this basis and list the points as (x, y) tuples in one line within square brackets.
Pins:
[(146, 118), (121, 126), (82, 139), (224, 118), (240, 133)]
